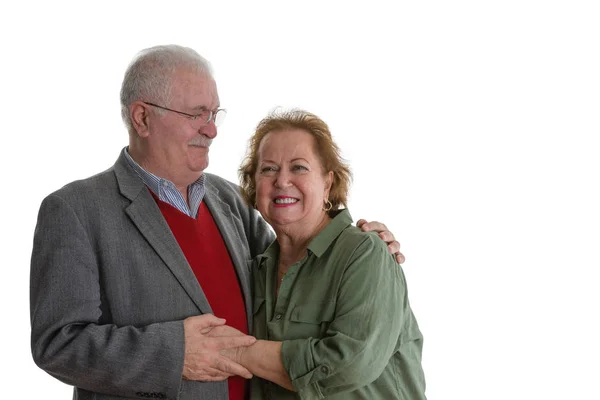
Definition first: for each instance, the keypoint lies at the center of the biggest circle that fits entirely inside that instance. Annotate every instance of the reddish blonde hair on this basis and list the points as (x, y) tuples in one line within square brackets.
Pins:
[(326, 149)]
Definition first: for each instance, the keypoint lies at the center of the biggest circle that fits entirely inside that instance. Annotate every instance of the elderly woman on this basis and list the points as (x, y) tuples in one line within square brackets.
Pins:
[(328, 327)]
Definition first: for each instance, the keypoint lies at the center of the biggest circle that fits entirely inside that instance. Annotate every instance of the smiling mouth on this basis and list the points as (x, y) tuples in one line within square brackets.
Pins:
[(285, 200)]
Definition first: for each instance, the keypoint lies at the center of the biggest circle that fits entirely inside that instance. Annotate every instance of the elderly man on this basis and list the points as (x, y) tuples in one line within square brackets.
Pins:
[(139, 275)]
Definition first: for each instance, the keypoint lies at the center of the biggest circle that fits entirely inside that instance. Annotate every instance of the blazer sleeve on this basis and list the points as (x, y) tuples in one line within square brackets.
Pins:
[(67, 339), (260, 235)]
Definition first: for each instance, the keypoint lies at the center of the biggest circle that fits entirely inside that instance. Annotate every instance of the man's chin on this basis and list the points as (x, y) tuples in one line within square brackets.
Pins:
[(199, 165)]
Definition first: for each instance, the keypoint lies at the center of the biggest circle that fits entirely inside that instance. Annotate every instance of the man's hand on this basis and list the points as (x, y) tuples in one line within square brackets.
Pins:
[(205, 337), (234, 354), (385, 235)]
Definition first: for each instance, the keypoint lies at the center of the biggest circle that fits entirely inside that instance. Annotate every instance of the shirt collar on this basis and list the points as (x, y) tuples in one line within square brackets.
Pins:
[(321, 242), (157, 184), (325, 238)]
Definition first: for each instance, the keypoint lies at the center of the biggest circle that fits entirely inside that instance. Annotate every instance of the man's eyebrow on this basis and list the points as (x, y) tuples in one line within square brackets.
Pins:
[(199, 108), (204, 108)]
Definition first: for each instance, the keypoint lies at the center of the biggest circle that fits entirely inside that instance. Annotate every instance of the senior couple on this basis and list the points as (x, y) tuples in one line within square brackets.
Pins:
[(155, 279)]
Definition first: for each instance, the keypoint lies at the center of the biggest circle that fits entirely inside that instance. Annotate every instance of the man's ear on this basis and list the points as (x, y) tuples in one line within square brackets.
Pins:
[(138, 112)]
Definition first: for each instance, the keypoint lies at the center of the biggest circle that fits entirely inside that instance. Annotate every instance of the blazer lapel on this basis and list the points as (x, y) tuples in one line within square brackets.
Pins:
[(147, 217), (224, 219)]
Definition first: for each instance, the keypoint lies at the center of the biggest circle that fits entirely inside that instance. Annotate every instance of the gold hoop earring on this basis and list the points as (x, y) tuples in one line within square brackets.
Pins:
[(328, 205)]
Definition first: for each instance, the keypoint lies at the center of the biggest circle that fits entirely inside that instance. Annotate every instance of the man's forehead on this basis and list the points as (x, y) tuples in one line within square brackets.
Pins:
[(197, 86), (192, 74)]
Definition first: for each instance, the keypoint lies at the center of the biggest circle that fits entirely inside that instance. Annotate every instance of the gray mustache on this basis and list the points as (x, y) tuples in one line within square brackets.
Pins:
[(201, 141)]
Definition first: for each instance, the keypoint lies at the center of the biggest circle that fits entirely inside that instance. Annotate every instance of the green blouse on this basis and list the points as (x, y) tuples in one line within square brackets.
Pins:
[(344, 318)]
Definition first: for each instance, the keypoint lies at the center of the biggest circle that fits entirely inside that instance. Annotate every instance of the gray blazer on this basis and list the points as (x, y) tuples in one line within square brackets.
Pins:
[(110, 286)]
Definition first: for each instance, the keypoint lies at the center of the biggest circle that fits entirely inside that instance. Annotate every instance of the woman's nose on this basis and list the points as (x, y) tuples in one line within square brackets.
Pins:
[(282, 180)]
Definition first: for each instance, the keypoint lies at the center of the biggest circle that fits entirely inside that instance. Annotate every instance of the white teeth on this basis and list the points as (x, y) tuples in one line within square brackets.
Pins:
[(287, 200)]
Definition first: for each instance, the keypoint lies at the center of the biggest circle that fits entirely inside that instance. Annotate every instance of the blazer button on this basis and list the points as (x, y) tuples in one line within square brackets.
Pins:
[(324, 369), (278, 317)]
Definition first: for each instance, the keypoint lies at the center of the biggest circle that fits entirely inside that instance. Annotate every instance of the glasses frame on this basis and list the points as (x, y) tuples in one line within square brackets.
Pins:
[(193, 117)]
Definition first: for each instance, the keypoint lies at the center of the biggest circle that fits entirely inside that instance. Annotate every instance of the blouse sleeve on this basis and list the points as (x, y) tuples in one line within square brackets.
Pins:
[(371, 306)]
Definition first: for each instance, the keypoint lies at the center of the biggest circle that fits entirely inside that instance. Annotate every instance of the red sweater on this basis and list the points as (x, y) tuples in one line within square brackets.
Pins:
[(205, 251)]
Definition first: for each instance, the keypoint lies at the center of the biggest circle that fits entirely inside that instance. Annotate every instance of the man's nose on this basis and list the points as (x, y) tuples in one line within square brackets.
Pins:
[(209, 130)]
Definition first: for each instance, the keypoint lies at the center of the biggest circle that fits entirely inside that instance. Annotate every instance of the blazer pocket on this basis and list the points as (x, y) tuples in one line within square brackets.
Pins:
[(313, 313)]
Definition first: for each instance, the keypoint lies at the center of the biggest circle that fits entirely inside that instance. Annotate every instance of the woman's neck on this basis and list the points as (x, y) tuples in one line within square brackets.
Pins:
[(293, 242)]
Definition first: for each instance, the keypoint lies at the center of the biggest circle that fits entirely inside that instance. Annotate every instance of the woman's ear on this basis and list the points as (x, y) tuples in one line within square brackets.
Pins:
[(328, 183)]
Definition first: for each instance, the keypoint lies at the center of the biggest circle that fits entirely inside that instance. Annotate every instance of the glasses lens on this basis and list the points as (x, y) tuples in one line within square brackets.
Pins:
[(220, 116)]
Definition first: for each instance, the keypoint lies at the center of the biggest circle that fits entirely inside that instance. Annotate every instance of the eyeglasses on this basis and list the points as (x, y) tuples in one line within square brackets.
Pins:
[(205, 115)]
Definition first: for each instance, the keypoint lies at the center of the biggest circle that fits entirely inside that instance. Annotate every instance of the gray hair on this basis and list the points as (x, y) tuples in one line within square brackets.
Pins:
[(149, 75)]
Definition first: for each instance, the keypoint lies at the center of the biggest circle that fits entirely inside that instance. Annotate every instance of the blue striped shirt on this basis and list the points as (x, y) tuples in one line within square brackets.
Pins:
[(166, 191)]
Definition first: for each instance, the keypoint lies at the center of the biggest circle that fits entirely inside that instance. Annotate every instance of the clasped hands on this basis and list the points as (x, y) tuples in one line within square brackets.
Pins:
[(210, 348)]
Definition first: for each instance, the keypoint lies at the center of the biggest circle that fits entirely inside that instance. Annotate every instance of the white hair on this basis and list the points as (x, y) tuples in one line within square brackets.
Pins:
[(149, 75)]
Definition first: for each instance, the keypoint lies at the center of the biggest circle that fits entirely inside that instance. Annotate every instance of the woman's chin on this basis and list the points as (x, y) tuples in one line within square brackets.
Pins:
[(281, 222)]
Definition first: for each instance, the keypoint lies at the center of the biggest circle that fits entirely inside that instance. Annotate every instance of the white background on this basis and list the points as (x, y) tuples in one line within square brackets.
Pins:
[(472, 129)]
